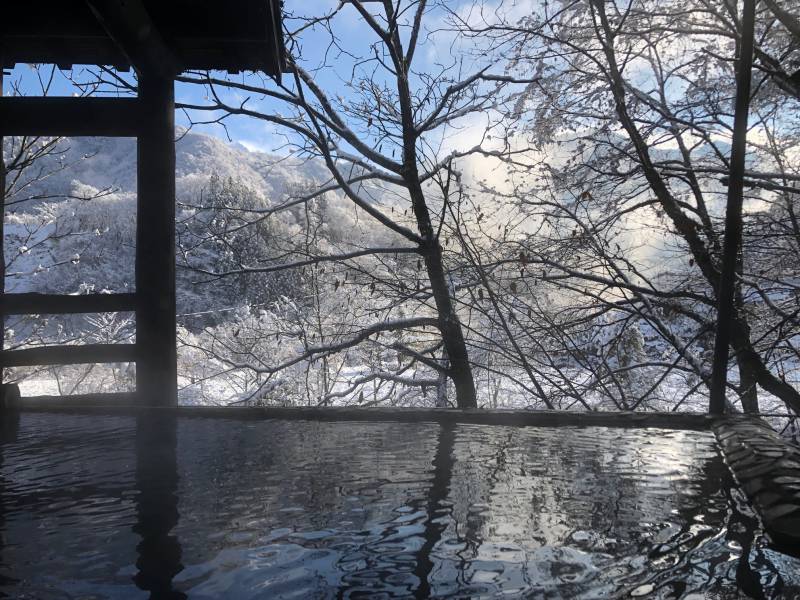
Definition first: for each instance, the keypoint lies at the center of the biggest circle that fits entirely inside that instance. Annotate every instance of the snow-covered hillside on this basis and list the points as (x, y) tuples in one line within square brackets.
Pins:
[(70, 228), (72, 218), (71, 225), (111, 163)]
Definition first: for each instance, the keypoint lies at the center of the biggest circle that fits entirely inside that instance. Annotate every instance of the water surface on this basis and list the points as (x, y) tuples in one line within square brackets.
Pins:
[(129, 507)]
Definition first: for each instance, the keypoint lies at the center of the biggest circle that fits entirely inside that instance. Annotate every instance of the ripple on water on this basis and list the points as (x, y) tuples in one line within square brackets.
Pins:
[(115, 507)]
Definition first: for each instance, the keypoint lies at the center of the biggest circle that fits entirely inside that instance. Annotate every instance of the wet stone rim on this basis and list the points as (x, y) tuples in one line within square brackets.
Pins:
[(767, 468)]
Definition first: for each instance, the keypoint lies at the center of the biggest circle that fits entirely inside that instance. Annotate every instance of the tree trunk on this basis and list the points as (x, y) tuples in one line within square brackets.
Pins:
[(452, 335), (460, 370), (441, 387), (747, 386), (728, 290), (688, 230), (748, 379)]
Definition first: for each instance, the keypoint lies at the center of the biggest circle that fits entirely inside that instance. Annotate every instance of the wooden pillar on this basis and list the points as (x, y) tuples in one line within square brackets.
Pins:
[(2, 247), (726, 305), (156, 368)]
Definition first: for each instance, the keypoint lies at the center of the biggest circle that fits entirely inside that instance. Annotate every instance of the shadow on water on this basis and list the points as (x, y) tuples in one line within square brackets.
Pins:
[(9, 429), (739, 529), (755, 575), (741, 525), (747, 578), (739, 541), (159, 552), (434, 526)]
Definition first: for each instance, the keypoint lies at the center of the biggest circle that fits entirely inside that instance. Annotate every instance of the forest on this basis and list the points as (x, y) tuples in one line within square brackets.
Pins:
[(476, 204)]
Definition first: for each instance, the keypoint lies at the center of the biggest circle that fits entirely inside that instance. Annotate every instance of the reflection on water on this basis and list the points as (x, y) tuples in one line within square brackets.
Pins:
[(134, 507), (159, 552), (9, 426)]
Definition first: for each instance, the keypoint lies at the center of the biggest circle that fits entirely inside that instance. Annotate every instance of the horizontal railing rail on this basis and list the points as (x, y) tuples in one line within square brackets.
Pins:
[(54, 304), (69, 355)]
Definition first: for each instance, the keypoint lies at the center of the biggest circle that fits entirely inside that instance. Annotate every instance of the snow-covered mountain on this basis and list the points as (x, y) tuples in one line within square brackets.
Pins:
[(111, 163), (71, 217), (70, 228)]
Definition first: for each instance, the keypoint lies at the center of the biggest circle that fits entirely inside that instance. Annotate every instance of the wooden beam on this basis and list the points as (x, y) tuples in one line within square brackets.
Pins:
[(55, 116), (53, 304), (501, 417), (70, 355), (132, 29), (64, 51), (156, 371)]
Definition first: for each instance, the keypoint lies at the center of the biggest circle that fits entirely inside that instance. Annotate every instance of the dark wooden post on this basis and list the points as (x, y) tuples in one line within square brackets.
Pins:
[(156, 368), (726, 289), (2, 248)]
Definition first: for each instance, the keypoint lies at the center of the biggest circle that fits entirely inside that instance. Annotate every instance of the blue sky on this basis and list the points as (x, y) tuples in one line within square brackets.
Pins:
[(27, 80), (353, 34), (30, 79)]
